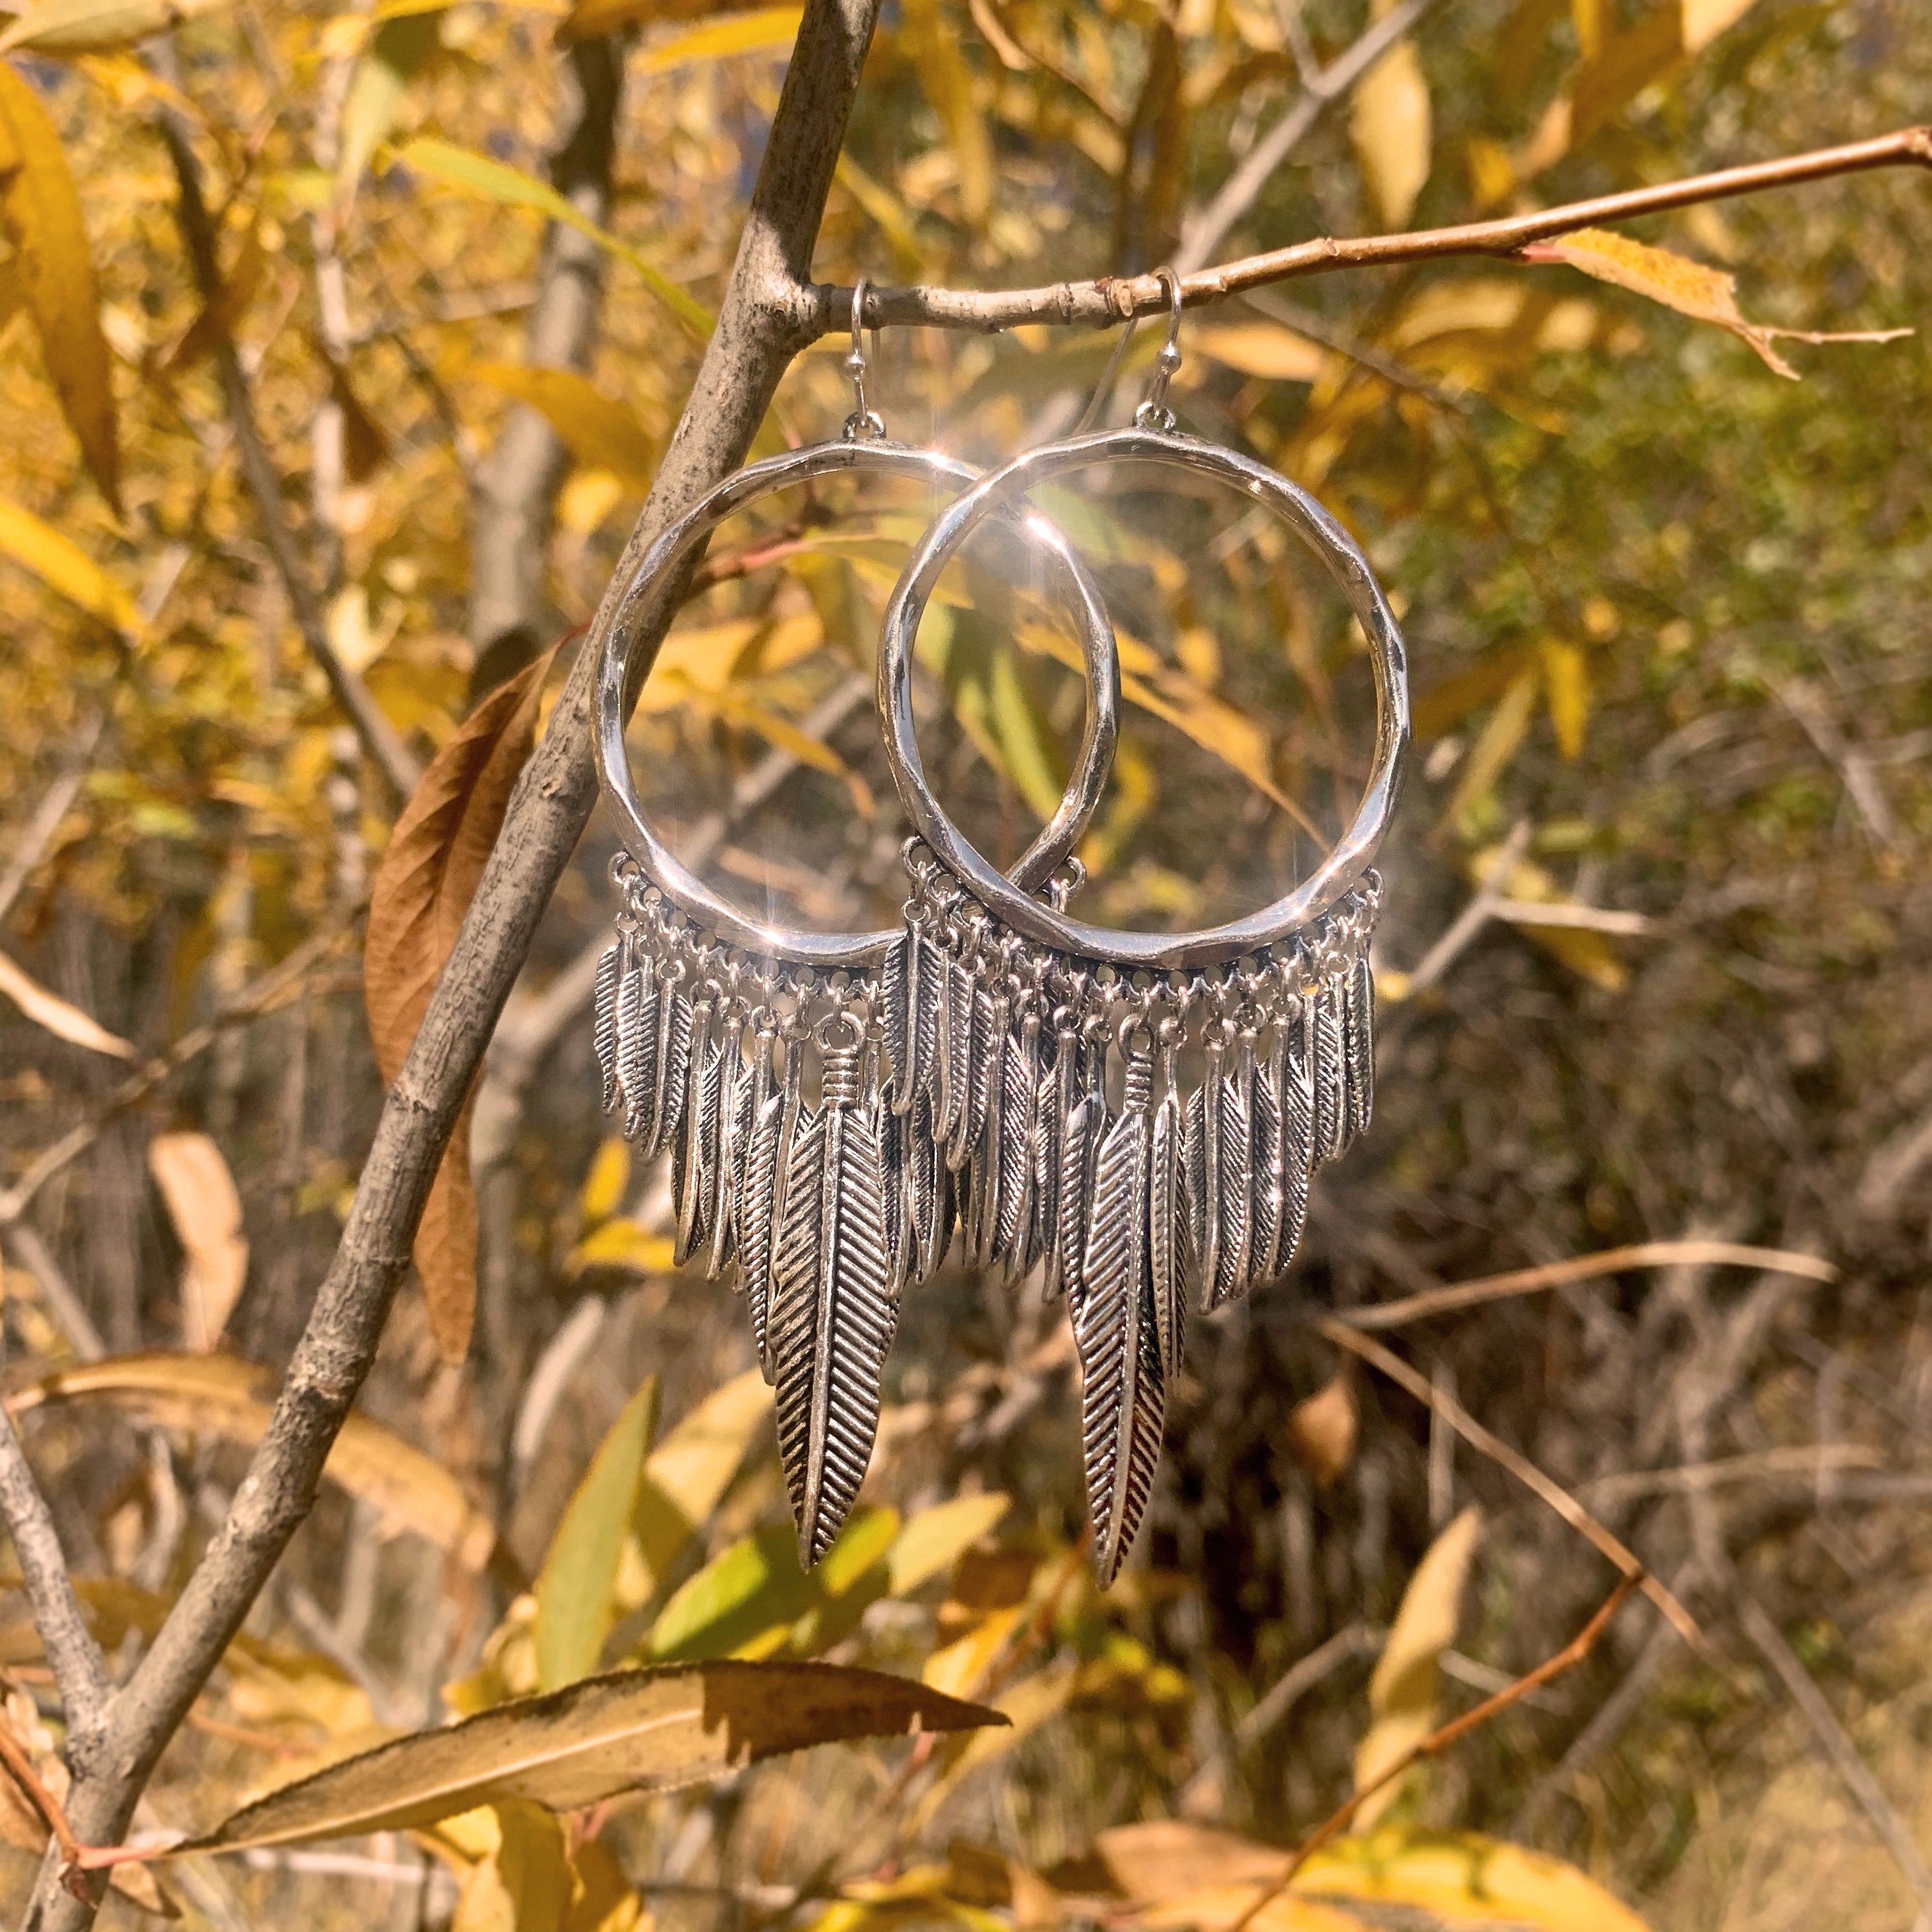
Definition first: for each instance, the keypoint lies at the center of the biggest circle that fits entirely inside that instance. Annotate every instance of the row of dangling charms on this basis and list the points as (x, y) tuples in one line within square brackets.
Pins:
[(967, 1090), (1191, 1190)]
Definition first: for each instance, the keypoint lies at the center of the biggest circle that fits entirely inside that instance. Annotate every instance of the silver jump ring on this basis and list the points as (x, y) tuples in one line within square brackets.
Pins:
[(614, 639), (1353, 852)]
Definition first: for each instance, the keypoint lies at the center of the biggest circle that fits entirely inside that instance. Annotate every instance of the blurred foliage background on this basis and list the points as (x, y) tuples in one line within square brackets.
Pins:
[(1666, 610)]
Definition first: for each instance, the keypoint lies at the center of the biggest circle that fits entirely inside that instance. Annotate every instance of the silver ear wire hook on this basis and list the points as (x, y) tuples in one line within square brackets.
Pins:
[(1153, 413), (864, 419)]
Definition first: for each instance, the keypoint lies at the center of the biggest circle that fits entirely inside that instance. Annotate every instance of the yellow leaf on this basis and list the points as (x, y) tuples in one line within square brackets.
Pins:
[(1464, 1879), (65, 1021), (1589, 954), (685, 1479), (961, 1666), (764, 30), (1566, 679), (40, 208), (1389, 123), (1401, 1693), (202, 1204), (497, 181), (1218, 1908), (1498, 742), (397, 52), (1263, 349), (743, 1602), (1691, 288), (63, 565), (576, 1591), (935, 1538), (1704, 20), (622, 1243), (65, 27), (222, 1395), (597, 431), (604, 1186), (942, 71)]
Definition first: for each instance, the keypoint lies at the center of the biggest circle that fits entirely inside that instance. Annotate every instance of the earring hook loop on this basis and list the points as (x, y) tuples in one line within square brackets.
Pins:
[(864, 420), (1153, 413)]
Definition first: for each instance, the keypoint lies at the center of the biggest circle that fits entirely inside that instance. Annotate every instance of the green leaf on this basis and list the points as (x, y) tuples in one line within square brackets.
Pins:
[(476, 174), (632, 1730), (396, 54), (40, 208), (576, 1591), (747, 1599)]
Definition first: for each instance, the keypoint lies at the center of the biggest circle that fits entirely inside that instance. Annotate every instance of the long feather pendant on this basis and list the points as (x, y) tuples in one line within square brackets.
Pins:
[(727, 1145), (1358, 1013), (673, 1064), (764, 1198), (694, 1177), (1015, 1241), (834, 1312), (1117, 1330), (1322, 1034), (604, 1016), (1170, 1240), (637, 1003)]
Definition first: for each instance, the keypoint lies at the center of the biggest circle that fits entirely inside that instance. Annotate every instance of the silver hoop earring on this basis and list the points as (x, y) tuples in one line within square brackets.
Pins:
[(705, 1018), (1175, 1196)]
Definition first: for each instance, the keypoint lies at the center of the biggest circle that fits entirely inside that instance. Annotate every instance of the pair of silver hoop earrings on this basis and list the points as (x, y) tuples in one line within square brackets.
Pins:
[(966, 1063)]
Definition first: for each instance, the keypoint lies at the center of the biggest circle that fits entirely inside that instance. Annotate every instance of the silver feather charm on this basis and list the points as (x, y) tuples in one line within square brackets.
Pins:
[(1059, 1095), (733, 1130), (672, 1065), (1080, 1141), (989, 1082), (1015, 1241), (983, 1046), (1170, 1241), (1327, 1066), (604, 1017), (955, 1046), (927, 1183), (638, 1000), (834, 1311), (1358, 1022), (766, 1165), (1117, 1329), (1219, 1127), (1285, 1149), (693, 1173)]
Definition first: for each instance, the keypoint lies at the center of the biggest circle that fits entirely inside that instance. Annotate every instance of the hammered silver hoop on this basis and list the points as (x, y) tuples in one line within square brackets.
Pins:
[(614, 641), (1148, 442)]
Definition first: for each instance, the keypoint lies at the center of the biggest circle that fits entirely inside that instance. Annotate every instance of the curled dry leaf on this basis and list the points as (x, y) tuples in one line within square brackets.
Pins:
[(202, 1204), (40, 208), (633, 1730), (423, 889), (1321, 1431), (65, 1021), (221, 1395), (1691, 288), (1402, 1693)]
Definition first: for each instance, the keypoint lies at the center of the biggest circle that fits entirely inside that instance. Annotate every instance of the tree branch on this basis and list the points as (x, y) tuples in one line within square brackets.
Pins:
[(79, 1668), (1113, 299), (391, 758), (767, 316)]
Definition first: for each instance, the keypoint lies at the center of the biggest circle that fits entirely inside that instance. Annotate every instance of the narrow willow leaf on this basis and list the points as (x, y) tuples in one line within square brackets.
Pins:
[(596, 430), (633, 1730), (577, 1587), (62, 564)]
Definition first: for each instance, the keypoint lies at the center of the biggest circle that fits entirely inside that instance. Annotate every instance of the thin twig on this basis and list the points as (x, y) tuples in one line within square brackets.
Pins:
[(46, 819), (1474, 916), (275, 988), (33, 1788), (1449, 1734), (1440, 1402), (1112, 299), (391, 758), (1582, 1267), (79, 1668)]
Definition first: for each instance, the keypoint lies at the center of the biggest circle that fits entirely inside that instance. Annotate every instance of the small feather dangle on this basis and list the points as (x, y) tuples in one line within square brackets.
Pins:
[(1327, 1066), (1220, 1130), (834, 1307), (604, 1016), (1082, 1128), (693, 1173), (1358, 1018), (1170, 1239), (637, 1037), (931, 1199), (1284, 1142), (1016, 1240), (1118, 1326), (989, 1083), (672, 1065), (762, 1201), (729, 1134)]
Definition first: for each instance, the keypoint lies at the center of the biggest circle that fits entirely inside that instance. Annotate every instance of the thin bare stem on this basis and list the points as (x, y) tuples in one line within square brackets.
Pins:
[(1111, 299), (79, 1669), (1444, 1739), (20, 1767), (1454, 1299), (1439, 1401)]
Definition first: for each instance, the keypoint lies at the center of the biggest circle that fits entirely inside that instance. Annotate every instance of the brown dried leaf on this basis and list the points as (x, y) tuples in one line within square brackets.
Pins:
[(633, 1730), (222, 1395), (1321, 1431), (423, 889), (201, 1202), (1691, 288)]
